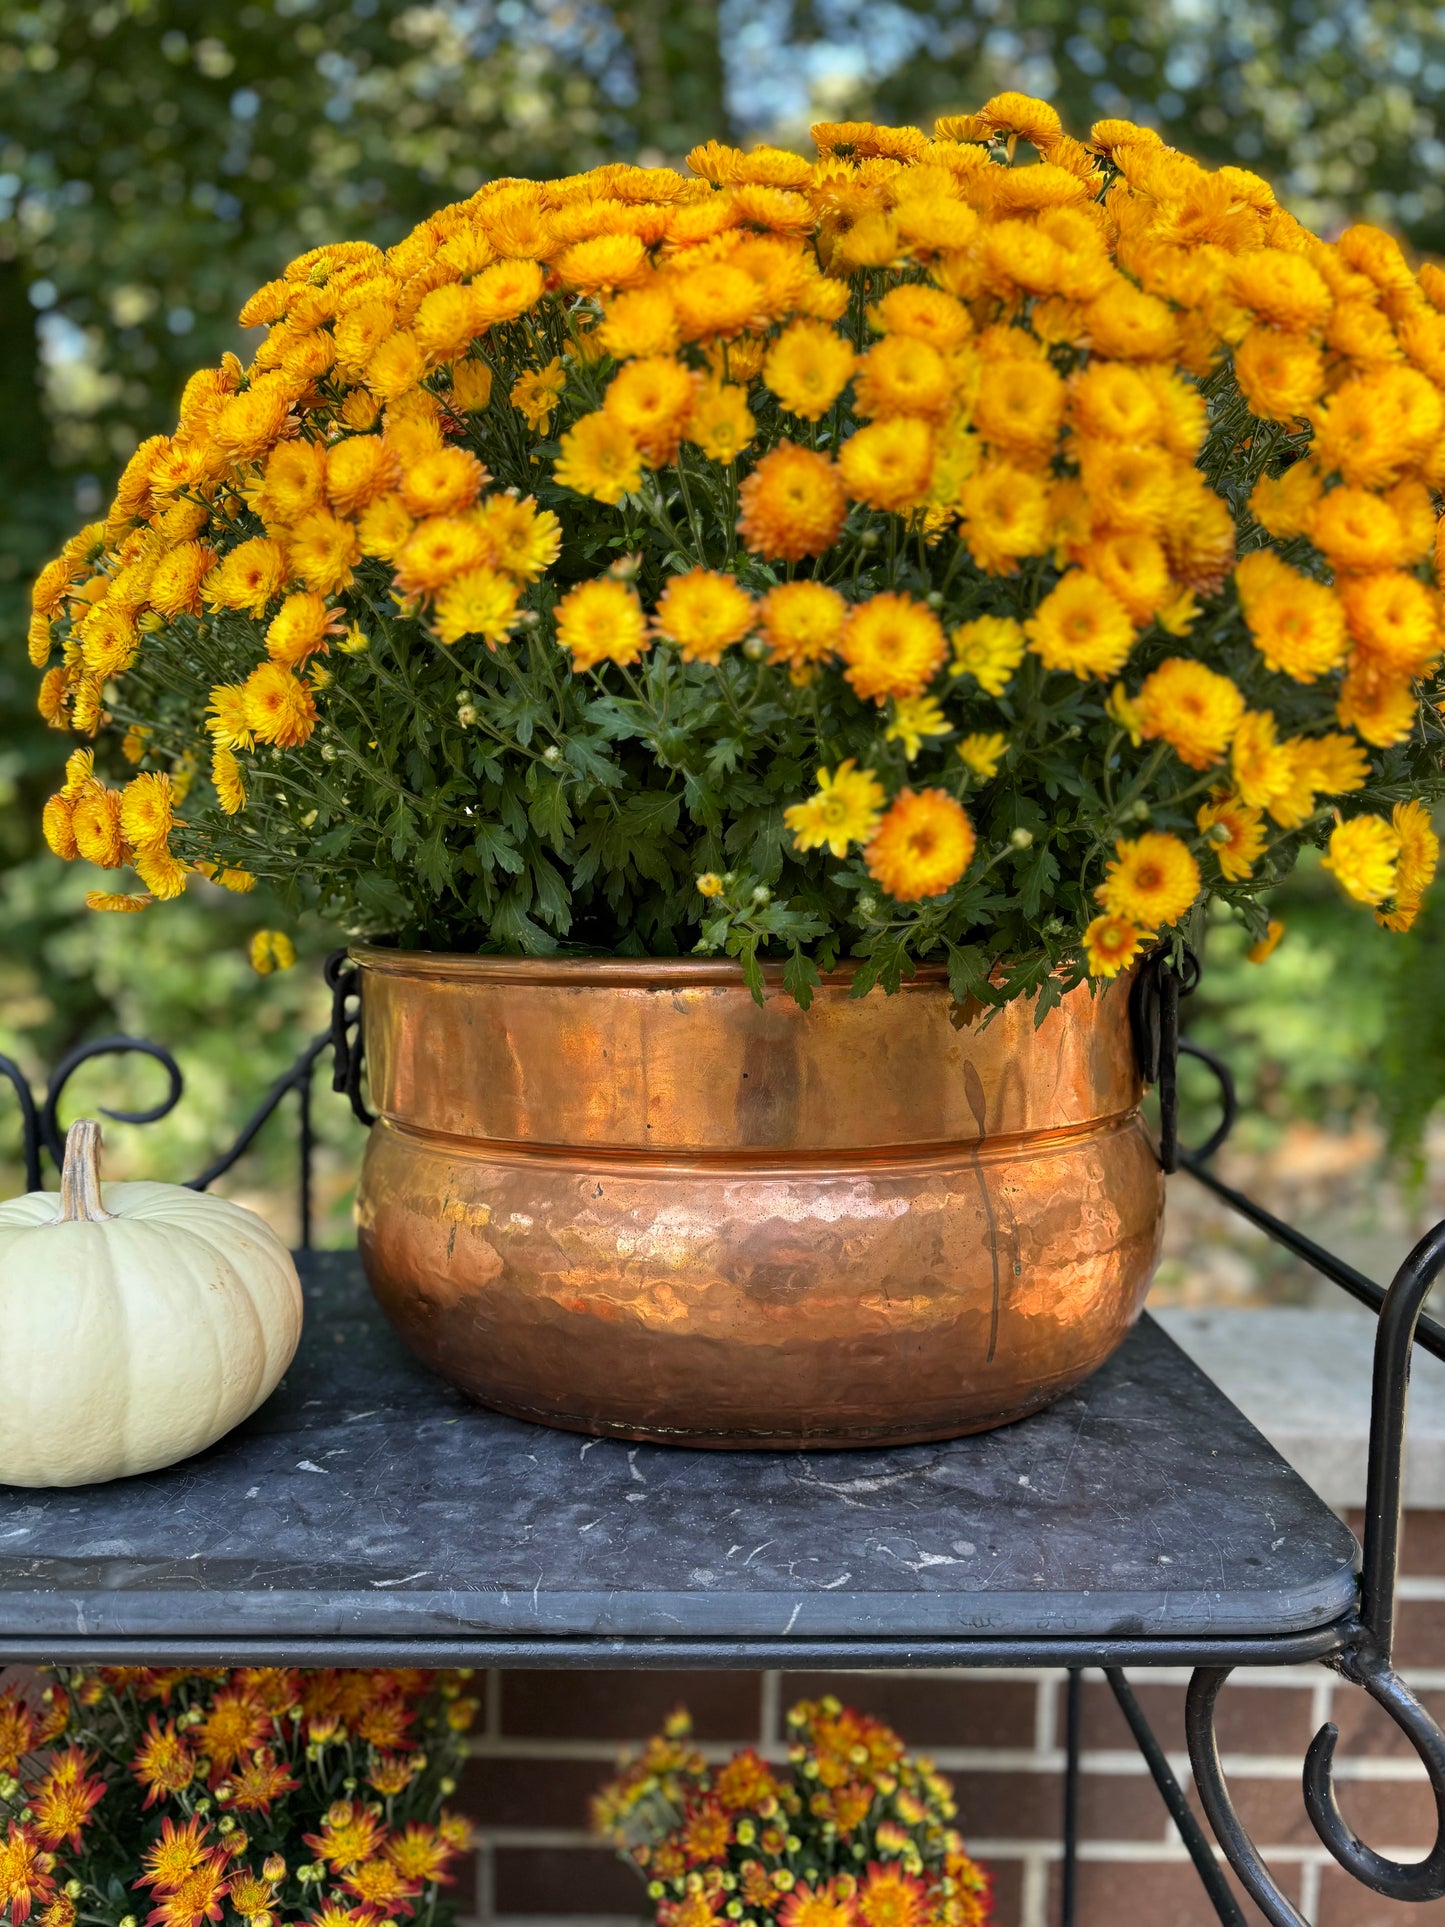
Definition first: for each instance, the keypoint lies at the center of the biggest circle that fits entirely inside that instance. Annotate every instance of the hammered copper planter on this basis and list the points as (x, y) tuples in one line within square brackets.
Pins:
[(620, 1197)]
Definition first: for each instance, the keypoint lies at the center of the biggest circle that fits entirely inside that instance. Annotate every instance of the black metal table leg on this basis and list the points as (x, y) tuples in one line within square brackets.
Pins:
[(1073, 1707)]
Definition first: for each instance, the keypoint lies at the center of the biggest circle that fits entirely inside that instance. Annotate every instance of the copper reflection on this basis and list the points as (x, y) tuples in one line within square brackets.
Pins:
[(620, 1197)]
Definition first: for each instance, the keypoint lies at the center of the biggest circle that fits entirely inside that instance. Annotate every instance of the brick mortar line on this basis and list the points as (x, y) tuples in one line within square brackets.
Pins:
[(1120, 1762), (1170, 1852)]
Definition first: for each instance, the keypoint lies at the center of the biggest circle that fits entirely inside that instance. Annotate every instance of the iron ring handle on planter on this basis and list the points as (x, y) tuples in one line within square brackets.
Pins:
[(348, 1048), (1154, 1019)]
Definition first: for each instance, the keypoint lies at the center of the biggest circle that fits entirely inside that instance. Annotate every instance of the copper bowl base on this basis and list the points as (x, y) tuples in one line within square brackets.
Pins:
[(631, 1208)]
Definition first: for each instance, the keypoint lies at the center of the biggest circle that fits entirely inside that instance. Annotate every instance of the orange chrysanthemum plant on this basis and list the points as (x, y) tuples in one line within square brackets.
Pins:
[(859, 1833), (982, 547), (264, 1797)]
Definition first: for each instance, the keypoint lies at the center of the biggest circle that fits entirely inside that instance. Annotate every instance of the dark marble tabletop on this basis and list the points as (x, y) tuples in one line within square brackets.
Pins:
[(368, 1500)]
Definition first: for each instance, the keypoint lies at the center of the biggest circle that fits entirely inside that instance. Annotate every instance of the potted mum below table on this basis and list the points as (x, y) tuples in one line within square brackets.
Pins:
[(667, 607)]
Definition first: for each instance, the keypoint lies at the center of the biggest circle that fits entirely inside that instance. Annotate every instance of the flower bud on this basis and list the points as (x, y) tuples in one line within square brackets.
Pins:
[(1021, 838), (755, 648), (467, 715), (551, 754)]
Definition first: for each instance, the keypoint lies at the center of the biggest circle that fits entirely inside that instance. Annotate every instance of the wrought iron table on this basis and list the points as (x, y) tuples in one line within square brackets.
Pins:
[(368, 1515)]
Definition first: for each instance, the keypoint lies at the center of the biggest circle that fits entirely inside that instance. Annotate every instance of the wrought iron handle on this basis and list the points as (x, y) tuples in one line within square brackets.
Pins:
[(1154, 1017), (348, 1047)]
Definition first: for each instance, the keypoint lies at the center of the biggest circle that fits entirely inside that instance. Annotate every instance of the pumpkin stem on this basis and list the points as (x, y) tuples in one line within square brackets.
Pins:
[(80, 1175)]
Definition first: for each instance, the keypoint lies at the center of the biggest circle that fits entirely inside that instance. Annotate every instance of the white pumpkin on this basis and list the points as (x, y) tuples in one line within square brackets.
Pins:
[(138, 1323)]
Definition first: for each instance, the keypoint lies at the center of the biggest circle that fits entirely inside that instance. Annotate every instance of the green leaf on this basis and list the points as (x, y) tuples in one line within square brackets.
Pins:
[(433, 861), (549, 813), (496, 848), (800, 978)]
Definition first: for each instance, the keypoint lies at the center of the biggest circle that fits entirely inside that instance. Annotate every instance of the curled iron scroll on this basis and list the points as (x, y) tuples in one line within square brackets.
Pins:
[(50, 1132)]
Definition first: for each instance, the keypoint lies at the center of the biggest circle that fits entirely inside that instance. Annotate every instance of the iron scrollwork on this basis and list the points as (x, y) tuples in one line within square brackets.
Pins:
[(1366, 1656), (41, 1134)]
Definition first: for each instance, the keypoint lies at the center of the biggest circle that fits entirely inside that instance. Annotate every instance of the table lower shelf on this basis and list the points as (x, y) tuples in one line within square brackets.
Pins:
[(368, 1515)]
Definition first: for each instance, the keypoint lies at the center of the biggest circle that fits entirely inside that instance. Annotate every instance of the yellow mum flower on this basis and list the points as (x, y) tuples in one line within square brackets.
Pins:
[(300, 628), (1393, 618), (808, 367), (481, 602), (146, 812), (1151, 880), (535, 394), (1382, 708), (57, 825), (710, 884), (437, 552), (506, 290), (1020, 406), (1127, 487), (926, 313), (990, 649), (1262, 766), (1006, 516), (226, 716), (95, 821), (845, 809), (600, 622), (446, 483), (1081, 627), (271, 950), (606, 261), (385, 528), (1235, 833), (651, 398), (1282, 288), (704, 612), (793, 504), (228, 780), (323, 551), (713, 302), (116, 901), (1298, 624), (520, 538), (1262, 951), (1281, 376), (640, 322), (982, 753), (471, 386), (922, 847), (176, 584), (358, 470), (1192, 708), (599, 457), (902, 375), (1364, 855), (1110, 944), (1418, 861), (248, 578), (280, 709), (802, 623), (914, 719), (889, 464), (892, 645), (162, 874), (719, 421)]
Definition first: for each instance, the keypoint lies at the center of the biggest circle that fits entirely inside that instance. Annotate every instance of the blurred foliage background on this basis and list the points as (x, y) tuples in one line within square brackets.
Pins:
[(161, 158)]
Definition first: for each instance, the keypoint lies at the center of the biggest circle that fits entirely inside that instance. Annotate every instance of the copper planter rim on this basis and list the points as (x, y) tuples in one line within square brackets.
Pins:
[(636, 973)]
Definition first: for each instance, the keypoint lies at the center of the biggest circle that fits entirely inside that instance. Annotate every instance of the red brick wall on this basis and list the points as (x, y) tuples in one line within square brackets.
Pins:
[(549, 1738)]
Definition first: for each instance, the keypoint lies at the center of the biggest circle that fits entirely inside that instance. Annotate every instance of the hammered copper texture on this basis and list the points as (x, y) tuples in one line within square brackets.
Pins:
[(620, 1197)]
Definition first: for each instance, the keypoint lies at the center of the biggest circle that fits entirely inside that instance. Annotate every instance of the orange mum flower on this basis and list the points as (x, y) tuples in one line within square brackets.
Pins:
[(163, 1762), (922, 847), (26, 1873), (893, 646), (793, 504)]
